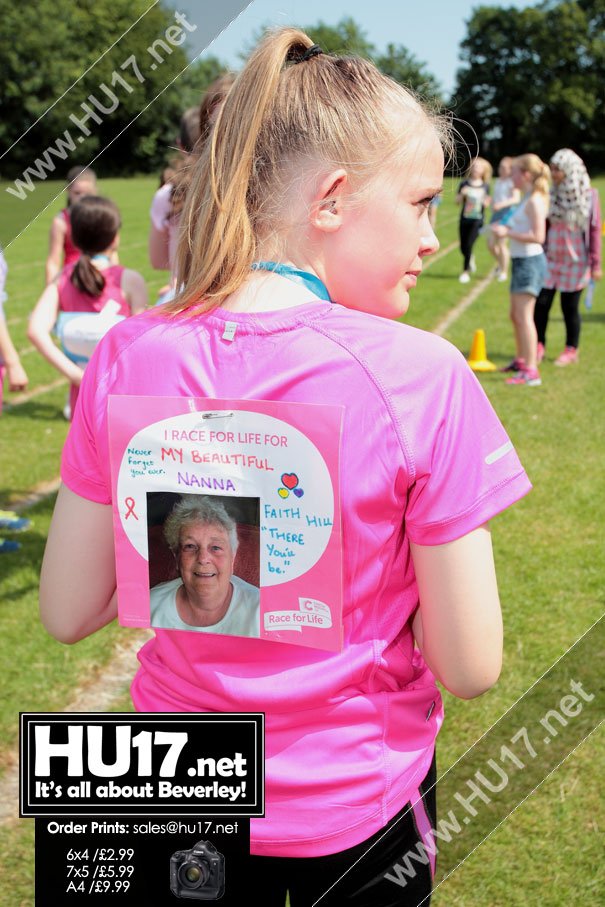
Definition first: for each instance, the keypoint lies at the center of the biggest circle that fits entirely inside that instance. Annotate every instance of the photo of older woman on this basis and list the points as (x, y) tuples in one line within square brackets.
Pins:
[(206, 595)]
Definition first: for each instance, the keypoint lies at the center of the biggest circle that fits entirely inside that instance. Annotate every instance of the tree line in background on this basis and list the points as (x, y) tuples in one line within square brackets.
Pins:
[(530, 79), (122, 105), (533, 79)]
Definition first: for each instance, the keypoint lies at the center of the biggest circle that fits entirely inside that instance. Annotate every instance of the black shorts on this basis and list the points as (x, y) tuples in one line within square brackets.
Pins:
[(364, 875)]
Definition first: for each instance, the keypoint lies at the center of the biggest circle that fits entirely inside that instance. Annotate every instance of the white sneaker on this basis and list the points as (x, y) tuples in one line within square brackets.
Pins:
[(473, 266), (465, 277), (501, 278)]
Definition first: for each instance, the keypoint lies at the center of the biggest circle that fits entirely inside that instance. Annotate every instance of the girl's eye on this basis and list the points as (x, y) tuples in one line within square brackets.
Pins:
[(426, 202)]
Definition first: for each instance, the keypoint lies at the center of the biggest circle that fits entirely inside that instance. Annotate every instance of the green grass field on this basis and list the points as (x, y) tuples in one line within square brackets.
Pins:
[(548, 553)]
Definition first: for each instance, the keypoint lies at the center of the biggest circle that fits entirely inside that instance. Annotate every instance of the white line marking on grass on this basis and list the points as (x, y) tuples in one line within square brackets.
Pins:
[(447, 321), (19, 399), (38, 493)]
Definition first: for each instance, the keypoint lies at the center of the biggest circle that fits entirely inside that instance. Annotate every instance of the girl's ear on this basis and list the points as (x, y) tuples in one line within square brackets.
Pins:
[(327, 206)]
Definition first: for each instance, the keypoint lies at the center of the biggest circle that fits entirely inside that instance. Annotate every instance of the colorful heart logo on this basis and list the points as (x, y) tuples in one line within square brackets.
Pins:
[(283, 492), (298, 492), (290, 480)]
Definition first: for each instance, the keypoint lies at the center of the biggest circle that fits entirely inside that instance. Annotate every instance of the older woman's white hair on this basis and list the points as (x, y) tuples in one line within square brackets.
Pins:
[(198, 508)]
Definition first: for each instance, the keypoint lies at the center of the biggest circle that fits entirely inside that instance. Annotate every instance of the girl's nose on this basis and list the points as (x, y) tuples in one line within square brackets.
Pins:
[(429, 244)]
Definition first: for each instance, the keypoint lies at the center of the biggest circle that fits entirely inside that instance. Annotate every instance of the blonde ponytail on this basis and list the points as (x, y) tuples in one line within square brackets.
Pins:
[(217, 242), (542, 181)]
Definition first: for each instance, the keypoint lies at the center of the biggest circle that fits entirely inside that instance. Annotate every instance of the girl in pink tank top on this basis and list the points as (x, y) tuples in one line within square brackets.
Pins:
[(100, 292)]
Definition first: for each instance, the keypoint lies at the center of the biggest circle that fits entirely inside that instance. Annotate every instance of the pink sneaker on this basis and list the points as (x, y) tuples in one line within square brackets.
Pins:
[(541, 351), (568, 356), (530, 377)]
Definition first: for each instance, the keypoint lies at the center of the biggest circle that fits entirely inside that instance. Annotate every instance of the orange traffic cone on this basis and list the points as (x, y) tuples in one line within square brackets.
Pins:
[(478, 360)]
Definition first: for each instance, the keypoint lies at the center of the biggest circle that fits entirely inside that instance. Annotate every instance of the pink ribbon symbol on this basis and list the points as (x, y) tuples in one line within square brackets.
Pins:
[(130, 504)]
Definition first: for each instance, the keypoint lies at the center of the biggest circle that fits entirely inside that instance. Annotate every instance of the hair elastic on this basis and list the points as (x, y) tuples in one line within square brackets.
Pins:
[(312, 51)]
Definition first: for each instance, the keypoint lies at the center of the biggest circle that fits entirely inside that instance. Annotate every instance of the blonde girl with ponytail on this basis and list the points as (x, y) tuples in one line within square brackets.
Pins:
[(303, 235), (526, 231)]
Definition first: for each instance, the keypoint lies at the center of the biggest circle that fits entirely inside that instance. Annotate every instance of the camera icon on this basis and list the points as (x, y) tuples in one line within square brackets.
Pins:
[(199, 873)]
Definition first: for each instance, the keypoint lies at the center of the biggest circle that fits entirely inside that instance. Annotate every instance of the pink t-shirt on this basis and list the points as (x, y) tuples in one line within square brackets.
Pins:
[(349, 735), (73, 300)]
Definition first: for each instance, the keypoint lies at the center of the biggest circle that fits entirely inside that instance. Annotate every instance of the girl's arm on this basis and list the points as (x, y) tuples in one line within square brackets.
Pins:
[(159, 234), (462, 190), (158, 248), (513, 199), (135, 290), (17, 378), (41, 323), (458, 625), (55, 248), (80, 545)]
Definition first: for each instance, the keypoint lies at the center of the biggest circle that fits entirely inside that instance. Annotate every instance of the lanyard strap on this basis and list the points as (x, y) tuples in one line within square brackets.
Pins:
[(303, 278)]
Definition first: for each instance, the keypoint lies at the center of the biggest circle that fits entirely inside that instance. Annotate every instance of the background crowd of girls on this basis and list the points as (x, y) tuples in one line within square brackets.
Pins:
[(546, 226), (552, 206)]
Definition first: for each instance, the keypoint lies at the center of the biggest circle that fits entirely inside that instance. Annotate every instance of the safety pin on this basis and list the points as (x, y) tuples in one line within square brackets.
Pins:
[(221, 415)]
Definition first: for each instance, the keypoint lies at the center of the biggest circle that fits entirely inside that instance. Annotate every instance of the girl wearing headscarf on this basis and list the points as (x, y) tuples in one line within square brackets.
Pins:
[(573, 249)]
